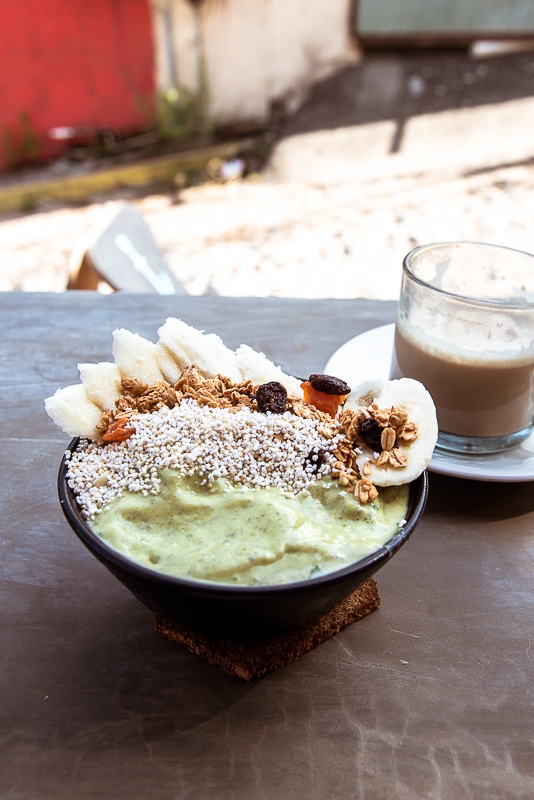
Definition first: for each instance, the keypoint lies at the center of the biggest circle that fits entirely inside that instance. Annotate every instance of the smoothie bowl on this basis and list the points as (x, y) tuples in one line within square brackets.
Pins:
[(241, 504)]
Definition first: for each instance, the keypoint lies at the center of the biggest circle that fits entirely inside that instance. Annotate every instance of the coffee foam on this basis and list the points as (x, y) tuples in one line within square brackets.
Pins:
[(501, 337)]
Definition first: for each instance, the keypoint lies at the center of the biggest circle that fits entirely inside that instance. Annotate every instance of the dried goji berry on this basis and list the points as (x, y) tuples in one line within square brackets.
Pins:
[(329, 403), (117, 432)]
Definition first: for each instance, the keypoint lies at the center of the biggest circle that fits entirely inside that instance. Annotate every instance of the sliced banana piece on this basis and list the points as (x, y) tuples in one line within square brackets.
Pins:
[(411, 397), (188, 346), (257, 368), (136, 357), (102, 383), (73, 412), (167, 364)]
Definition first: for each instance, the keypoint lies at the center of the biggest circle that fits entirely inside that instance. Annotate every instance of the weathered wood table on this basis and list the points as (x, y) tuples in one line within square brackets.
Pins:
[(430, 696)]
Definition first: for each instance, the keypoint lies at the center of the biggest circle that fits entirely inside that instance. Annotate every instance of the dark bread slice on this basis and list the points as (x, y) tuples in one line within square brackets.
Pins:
[(248, 659)]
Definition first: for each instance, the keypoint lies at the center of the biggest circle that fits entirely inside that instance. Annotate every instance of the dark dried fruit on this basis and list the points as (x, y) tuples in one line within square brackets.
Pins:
[(328, 384), (316, 457), (371, 433), (271, 397)]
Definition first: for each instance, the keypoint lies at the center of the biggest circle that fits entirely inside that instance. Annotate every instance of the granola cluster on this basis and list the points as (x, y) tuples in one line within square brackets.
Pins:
[(386, 431), (219, 392)]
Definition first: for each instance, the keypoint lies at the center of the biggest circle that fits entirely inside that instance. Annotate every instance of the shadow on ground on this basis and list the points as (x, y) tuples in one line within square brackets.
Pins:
[(397, 84)]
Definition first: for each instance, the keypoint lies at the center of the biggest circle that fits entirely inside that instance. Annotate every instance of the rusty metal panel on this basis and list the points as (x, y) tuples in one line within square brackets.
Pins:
[(461, 18)]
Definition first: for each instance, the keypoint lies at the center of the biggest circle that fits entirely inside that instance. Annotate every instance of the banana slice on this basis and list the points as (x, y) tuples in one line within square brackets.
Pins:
[(257, 368), (167, 364), (73, 412), (102, 383), (408, 396), (206, 351), (136, 357)]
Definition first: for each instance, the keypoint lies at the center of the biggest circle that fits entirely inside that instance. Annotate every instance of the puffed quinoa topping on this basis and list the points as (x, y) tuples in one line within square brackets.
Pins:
[(253, 449)]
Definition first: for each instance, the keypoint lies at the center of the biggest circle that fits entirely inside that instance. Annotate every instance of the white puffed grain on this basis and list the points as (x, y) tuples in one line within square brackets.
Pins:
[(213, 442)]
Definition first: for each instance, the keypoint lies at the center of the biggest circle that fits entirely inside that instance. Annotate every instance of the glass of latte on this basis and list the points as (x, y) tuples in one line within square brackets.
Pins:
[(465, 329)]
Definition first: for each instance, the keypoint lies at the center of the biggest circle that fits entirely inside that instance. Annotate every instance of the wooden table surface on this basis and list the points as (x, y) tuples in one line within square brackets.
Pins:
[(430, 696)]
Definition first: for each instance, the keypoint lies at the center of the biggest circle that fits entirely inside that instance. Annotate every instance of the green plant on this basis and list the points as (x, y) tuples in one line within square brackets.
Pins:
[(183, 112)]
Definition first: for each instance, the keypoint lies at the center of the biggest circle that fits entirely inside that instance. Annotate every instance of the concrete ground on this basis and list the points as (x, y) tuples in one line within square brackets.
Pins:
[(399, 150)]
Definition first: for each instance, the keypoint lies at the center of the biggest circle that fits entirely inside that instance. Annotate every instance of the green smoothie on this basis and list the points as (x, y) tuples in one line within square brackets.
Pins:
[(236, 535)]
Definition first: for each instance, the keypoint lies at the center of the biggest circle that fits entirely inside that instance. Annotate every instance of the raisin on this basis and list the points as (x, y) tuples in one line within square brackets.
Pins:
[(316, 457), (271, 397), (328, 384), (371, 433)]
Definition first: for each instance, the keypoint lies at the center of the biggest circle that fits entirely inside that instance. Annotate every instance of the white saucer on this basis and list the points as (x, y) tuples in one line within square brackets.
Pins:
[(369, 356)]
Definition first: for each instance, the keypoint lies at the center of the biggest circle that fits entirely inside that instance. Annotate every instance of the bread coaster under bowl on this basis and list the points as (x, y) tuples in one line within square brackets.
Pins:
[(249, 659)]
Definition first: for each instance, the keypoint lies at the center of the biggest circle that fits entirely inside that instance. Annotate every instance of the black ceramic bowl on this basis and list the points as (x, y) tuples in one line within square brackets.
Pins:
[(237, 611)]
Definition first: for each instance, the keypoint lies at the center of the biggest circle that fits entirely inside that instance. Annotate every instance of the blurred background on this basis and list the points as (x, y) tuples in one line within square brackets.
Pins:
[(272, 147)]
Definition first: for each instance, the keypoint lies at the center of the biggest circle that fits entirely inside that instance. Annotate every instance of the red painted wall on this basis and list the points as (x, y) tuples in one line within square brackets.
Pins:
[(72, 62)]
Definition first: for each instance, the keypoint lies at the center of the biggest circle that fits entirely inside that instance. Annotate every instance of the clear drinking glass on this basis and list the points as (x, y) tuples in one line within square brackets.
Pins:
[(465, 329)]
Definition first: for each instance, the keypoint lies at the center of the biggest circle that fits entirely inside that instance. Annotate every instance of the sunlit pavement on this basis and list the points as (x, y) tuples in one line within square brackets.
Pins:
[(333, 213)]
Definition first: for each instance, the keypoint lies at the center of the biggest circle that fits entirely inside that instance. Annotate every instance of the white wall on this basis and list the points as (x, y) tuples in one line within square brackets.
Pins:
[(255, 51)]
